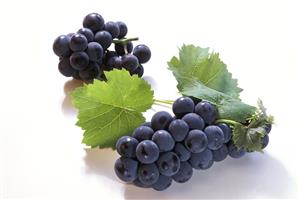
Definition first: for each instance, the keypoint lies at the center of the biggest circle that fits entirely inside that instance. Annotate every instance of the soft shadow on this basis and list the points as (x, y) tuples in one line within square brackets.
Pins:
[(253, 176), (151, 81), (67, 107), (100, 162)]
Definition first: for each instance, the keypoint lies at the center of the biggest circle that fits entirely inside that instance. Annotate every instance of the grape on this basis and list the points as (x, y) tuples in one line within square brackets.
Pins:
[(142, 52), (195, 100), (104, 38), (95, 51), (182, 152), (168, 163), (143, 133), (234, 152), (87, 33), (178, 129), (163, 183), (215, 137), (207, 111), (265, 141), (78, 42), (120, 48), (227, 132), (65, 67), (182, 106), (90, 72), (164, 140), (79, 60), (148, 124), (126, 169), (203, 160), (220, 154), (76, 75), (70, 35), (137, 183), (130, 62), (61, 46), (114, 62), (126, 146), (268, 128), (148, 174), (194, 121), (196, 141), (123, 30), (112, 28), (94, 22), (161, 120), (184, 174), (147, 152), (138, 71)]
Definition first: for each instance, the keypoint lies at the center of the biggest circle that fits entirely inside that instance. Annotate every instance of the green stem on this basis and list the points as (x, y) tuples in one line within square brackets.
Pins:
[(124, 40), (169, 102), (228, 121)]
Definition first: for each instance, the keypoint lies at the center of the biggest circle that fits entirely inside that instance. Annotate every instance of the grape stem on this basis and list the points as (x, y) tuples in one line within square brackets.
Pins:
[(124, 41), (169, 102)]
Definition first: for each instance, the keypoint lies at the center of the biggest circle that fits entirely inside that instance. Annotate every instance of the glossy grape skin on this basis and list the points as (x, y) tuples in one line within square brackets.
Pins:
[(123, 29), (142, 52), (163, 183), (220, 154), (265, 141), (104, 38), (138, 71), (87, 33), (182, 152), (95, 51), (143, 133), (112, 28), (148, 174), (168, 163), (207, 111), (129, 62), (148, 124), (65, 67), (160, 120), (196, 141), (137, 183), (227, 132), (78, 42), (203, 160), (126, 146), (147, 152), (182, 106), (178, 129), (114, 62), (79, 60), (120, 48), (164, 140), (184, 174), (215, 137), (234, 152), (61, 46), (194, 121), (94, 22), (126, 169), (90, 72)]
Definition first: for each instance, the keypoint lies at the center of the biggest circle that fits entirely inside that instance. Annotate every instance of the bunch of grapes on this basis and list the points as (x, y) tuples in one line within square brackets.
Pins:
[(169, 148), (85, 55)]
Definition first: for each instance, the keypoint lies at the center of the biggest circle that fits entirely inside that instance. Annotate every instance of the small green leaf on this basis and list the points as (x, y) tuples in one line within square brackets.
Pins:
[(109, 110), (197, 65)]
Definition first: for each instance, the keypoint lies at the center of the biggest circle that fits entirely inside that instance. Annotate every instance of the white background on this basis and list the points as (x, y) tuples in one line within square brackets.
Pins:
[(41, 154)]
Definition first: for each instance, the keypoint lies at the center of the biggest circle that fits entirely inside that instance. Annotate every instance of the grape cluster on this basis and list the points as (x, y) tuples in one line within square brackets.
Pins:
[(85, 55), (169, 148)]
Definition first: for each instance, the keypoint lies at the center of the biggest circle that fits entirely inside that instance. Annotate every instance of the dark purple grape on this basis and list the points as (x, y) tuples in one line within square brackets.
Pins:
[(78, 42), (194, 121), (114, 62), (130, 62), (220, 154), (234, 152), (95, 52), (87, 33), (184, 174), (126, 146), (138, 71), (122, 49), (265, 141), (123, 30), (202, 160), (161, 120), (104, 38), (168, 163), (79, 60), (65, 67), (163, 183), (147, 152), (182, 152), (126, 169), (182, 106), (215, 137), (143, 133), (61, 46), (178, 129), (196, 141), (268, 128), (112, 28), (142, 52), (90, 72), (227, 132), (148, 174), (148, 124), (207, 111), (94, 21), (164, 140)]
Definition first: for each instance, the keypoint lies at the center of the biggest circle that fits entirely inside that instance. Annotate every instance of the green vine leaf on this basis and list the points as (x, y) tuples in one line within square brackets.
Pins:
[(109, 110)]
